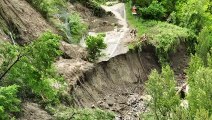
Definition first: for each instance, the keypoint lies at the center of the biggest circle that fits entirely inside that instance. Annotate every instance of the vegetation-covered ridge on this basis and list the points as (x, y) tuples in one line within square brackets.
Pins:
[(166, 24)]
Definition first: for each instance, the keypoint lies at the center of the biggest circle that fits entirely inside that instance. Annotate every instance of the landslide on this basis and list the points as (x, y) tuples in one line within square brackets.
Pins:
[(118, 84), (115, 85)]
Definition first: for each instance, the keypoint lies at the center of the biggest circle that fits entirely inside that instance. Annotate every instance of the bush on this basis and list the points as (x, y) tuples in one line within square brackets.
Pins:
[(199, 79), (9, 103), (74, 28), (154, 11), (200, 91), (94, 46)]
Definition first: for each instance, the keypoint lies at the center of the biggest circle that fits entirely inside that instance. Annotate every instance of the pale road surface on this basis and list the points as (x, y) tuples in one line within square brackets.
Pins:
[(117, 39)]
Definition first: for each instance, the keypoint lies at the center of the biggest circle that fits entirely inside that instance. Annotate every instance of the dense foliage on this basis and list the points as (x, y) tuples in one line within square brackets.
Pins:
[(31, 68), (204, 43), (162, 89), (94, 46), (194, 14), (155, 9), (165, 103), (9, 103)]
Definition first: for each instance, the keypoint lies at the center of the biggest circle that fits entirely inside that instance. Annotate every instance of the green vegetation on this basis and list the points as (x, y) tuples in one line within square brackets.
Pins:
[(204, 43), (74, 28), (192, 19), (156, 32), (70, 24), (194, 14), (166, 42), (162, 89), (48, 7), (94, 46), (9, 103), (154, 11), (165, 102), (30, 67)]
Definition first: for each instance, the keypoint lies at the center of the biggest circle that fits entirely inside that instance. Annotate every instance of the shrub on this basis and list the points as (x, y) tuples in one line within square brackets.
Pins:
[(74, 28), (9, 103), (154, 11), (165, 103), (94, 46)]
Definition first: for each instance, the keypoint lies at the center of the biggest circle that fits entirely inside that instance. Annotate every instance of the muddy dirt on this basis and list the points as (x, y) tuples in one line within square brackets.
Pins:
[(117, 84), (96, 24)]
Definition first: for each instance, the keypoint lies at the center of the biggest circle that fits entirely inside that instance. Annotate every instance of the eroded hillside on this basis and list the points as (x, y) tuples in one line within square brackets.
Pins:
[(104, 60)]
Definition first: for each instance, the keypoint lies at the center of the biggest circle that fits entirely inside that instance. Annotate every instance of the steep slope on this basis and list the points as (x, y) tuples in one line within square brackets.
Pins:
[(24, 21)]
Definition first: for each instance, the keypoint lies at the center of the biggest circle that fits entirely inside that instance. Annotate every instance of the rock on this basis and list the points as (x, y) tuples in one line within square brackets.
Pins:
[(146, 98), (122, 100), (104, 105), (110, 104), (93, 106), (99, 102), (110, 100)]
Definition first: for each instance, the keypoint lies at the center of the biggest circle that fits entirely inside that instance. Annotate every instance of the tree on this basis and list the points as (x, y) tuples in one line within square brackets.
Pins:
[(162, 89), (204, 43), (33, 72), (194, 14)]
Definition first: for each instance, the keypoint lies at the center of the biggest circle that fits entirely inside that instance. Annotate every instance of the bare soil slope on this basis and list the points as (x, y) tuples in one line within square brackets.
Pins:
[(23, 20)]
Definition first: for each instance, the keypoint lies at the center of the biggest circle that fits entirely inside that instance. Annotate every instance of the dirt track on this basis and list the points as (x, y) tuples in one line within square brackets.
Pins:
[(118, 38)]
